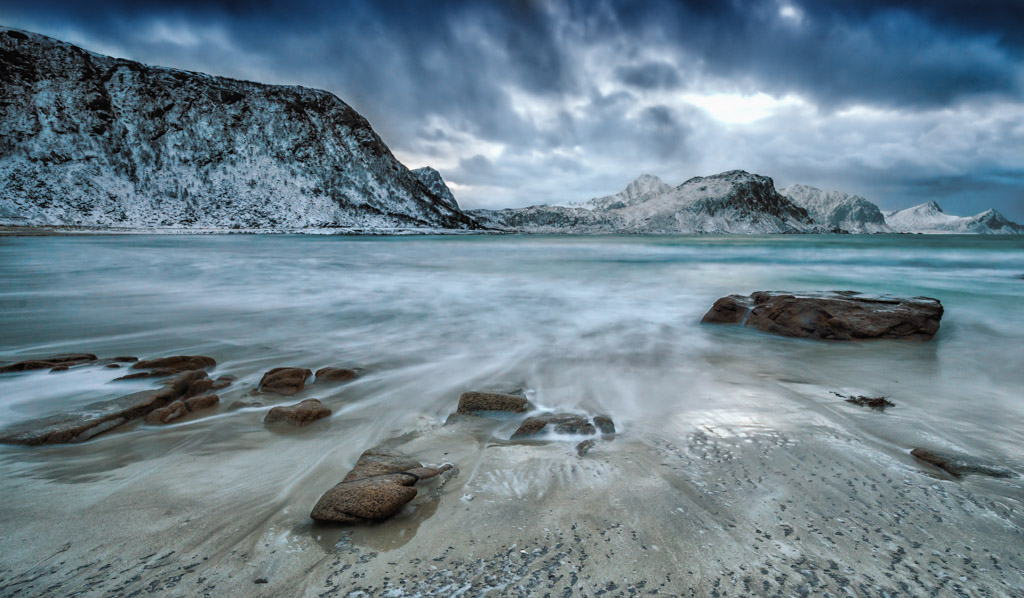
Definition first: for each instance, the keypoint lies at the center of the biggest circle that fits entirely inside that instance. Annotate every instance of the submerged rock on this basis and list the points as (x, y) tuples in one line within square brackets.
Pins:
[(284, 381), (836, 315), (584, 447), (563, 423), (180, 408), (378, 486), (300, 414), (961, 465), (176, 363), (54, 363), (168, 366), (879, 403), (100, 416), (473, 402), (335, 375), (605, 424)]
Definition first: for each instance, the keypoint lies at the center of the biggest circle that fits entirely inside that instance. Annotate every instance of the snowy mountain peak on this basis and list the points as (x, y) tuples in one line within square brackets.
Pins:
[(641, 189), (838, 210), (94, 141), (433, 181), (929, 218)]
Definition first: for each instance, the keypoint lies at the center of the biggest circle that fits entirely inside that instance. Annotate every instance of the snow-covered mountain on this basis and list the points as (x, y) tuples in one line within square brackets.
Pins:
[(929, 218), (433, 181), (730, 202), (641, 189), (838, 210), (88, 140)]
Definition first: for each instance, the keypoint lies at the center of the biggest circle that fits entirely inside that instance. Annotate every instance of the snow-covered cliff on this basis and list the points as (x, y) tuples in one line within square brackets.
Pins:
[(838, 210), (88, 140), (730, 202), (433, 181), (929, 218)]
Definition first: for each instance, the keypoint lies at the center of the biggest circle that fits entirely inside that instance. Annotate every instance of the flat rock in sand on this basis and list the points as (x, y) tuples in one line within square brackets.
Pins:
[(378, 486), (563, 423), (835, 315), (98, 417)]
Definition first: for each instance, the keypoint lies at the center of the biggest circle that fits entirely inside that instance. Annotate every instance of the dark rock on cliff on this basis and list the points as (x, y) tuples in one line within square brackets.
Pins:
[(837, 315)]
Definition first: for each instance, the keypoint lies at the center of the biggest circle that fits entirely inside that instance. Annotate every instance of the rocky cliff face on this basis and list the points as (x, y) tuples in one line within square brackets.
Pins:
[(929, 218), (88, 140), (433, 181), (838, 210), (730, 202)]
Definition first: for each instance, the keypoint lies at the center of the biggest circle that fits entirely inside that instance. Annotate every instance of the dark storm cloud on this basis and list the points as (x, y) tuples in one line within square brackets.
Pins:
[(574, 95), (650, 75)]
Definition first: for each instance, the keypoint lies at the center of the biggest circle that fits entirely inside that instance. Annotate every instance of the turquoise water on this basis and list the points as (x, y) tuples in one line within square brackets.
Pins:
[(598, 323)]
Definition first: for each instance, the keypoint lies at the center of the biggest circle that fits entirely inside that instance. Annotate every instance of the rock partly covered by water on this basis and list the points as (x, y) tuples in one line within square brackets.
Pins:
[(62, 361), (299, 414), (564, 423), (99, 417), (284, 381), (960, 465), (378, 486), (166, 366), (331, 374), (836, 315), (474, 402)]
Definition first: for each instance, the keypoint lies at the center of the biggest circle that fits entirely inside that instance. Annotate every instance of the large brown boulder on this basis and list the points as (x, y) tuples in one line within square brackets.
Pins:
[(378, 486), (299, 414), (836, 315), (284, 381), (98, 417), (473, 402), (62, 362)]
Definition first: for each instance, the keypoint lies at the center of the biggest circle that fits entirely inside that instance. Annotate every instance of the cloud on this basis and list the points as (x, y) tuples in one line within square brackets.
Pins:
[(527, 101)]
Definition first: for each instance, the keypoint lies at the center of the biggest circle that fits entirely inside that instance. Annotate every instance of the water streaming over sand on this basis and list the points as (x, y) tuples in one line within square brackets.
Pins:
[(593, 324)]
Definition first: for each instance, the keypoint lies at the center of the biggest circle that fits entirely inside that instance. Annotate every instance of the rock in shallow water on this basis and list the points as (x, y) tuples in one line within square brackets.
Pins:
[(473, 402), (378, 486), (284, 381), (300, 414), (55, 362), (98, 417), (961, 465), (562, 423), (335, 375), (836, 315)]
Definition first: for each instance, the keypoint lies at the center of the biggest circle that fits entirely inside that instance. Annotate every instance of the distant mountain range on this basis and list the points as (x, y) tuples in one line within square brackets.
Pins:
[(98, 142), (735, 202), (730, 202)]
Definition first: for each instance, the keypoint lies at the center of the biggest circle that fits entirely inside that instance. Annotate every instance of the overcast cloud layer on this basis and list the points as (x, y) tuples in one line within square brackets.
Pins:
[(519, 103)]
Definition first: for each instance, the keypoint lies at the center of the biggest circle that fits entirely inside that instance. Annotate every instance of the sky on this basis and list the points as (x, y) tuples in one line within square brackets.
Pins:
[(520, 102)]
